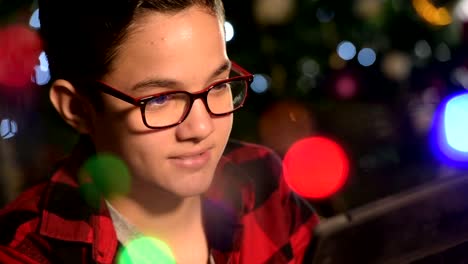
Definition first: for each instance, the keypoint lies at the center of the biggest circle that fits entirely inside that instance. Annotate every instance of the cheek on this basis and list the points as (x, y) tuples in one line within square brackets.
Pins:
[(121, 116), (113, 129), (224, 126)]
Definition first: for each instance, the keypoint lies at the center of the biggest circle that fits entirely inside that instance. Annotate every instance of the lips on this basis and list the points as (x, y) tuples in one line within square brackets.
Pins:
[(192, 160)]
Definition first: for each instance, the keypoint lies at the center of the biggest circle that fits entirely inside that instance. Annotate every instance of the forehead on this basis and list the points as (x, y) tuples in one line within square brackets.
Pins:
[(171, 45)]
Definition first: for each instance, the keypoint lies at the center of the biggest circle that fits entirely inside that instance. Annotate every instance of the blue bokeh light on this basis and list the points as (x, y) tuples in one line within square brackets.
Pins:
[(34, 20), (346, 50), (449, 132), (456, 122), (8, 128), (42, 73), (43, 62), (260, 83), (42, 76), (367, 57)]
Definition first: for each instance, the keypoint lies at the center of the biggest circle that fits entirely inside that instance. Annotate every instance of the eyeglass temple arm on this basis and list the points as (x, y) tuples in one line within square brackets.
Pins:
[(116, 93), (239, 68)]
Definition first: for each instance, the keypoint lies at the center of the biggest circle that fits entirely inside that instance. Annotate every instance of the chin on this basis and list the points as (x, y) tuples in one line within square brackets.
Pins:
[(190, 191), (191, 185)]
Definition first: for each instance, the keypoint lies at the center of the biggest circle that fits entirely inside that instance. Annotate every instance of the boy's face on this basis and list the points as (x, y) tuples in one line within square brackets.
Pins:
[(186, 48)]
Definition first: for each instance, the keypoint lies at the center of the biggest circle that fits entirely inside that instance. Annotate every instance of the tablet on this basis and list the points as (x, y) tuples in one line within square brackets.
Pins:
[(418, 224)]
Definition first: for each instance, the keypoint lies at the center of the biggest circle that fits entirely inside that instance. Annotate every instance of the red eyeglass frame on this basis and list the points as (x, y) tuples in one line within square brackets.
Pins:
[(203, 94)]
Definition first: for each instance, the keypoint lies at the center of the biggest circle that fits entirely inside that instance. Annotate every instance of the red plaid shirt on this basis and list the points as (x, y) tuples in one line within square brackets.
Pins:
[(251, 216)]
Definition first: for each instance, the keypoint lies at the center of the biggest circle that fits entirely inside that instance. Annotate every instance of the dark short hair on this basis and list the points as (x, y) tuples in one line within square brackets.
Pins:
[(82, 37)]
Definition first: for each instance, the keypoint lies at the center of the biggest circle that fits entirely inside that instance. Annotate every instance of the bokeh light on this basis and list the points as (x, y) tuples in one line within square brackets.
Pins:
[(274, 12), (459, 76), (346, 50), (34, 20), (437, 16), (306, 83), (461, 10), (396, 65), (450, 129), (42, 76), (260, 83), (310, 70), (456, 122), (43, 62), (309, 67), (324, 15), (316, 167), (368, 9), (443, 53), (346, 86), (283, 124), (146, 250), (20, 47), (367, 57), (8, 128), (229, 29), (422, 49), (103, 176)]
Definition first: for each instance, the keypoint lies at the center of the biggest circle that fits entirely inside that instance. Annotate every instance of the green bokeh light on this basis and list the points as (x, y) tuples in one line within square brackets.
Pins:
[(146, 250), (103, 174)]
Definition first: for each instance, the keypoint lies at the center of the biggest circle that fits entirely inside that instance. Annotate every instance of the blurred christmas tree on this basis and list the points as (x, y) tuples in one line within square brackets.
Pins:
[(370, 72)]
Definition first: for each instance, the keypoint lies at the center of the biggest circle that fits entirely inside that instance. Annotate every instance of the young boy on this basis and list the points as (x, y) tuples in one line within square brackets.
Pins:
[(149, 83)]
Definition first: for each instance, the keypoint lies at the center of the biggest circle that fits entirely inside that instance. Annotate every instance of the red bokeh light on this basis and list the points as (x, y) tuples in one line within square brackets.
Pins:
[(20, 47), (346, 86), (315, 167)]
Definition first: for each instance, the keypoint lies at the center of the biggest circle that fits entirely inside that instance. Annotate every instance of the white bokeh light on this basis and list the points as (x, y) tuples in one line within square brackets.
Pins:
[(42, 73), (461, 10), (44, 63), (229, 31)]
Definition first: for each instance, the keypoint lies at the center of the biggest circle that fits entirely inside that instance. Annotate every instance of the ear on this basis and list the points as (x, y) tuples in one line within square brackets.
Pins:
[(72, 107)]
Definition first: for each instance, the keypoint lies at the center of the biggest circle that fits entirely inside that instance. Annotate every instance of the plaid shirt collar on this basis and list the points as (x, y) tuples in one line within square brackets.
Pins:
[(72, 219)]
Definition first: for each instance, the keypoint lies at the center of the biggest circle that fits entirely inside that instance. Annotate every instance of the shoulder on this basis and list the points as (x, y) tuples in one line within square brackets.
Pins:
[(21, 215), (275, 215), (19, 222), (241, 151), (260, 163)]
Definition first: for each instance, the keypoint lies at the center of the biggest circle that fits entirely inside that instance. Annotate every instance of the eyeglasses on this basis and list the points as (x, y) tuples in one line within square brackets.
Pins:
[(168, 109)]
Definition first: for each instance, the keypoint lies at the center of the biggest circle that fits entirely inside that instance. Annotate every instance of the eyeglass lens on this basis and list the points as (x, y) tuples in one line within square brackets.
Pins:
[(166, 110)]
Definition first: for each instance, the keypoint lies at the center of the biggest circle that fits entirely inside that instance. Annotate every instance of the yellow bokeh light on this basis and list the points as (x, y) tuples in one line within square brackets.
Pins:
[(437, 16)]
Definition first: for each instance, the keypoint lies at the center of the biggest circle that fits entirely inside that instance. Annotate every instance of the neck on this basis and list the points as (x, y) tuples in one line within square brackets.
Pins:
[(174, 220), (156, 212)]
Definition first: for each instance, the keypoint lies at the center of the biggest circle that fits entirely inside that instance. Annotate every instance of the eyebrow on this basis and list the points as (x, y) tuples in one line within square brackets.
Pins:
[(171, 83)]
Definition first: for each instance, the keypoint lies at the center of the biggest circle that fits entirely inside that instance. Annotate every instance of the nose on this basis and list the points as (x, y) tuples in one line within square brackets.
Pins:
[(198, 125)]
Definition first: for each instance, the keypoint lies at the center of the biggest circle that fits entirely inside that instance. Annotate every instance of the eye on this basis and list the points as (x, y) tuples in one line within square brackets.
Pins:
[(160, 100), (221, 86)]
